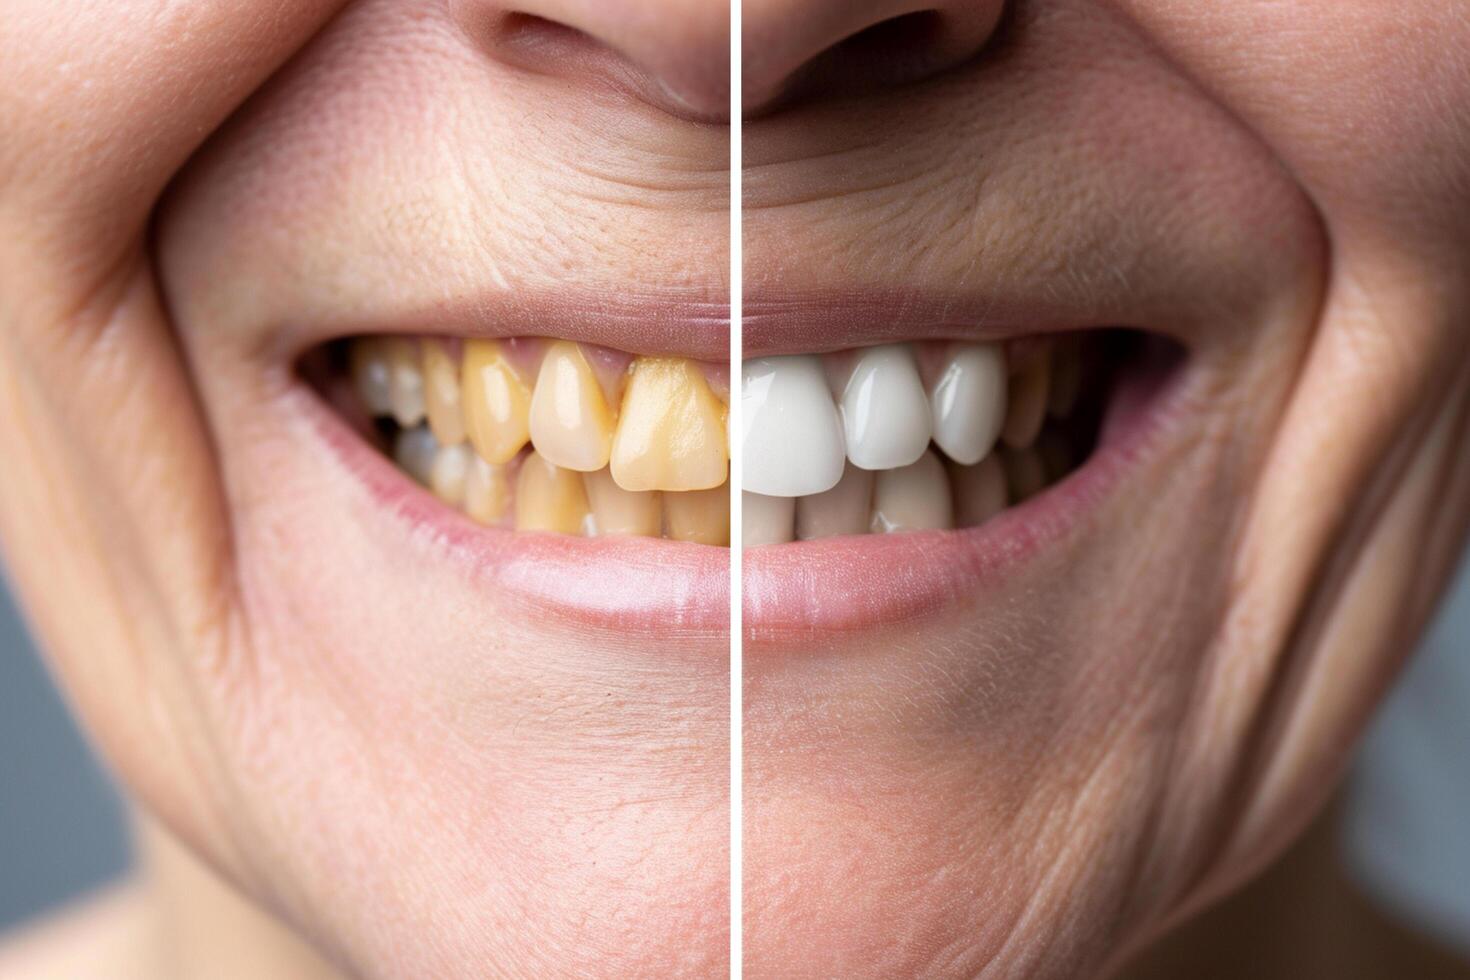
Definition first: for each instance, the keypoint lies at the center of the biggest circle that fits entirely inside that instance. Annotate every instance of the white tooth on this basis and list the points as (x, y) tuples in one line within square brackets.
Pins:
[(791, 436), (979, 491), (885, 414), (767, 520), (414, 451), (448, 472), (969, 402), (844, 509), (914, 498)]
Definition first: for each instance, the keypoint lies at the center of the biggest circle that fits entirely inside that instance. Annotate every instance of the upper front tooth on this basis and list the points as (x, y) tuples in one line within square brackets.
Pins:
[(405, 380), (1026, 407), (885, 414), (571, 424), (671, 432), (969, 402), (497, 402), (368, 363), (792, 435), (913, 498), (442, 395)]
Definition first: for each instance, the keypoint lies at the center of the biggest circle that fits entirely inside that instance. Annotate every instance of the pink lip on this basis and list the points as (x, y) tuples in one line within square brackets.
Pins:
[(799, 595), (628, 588)]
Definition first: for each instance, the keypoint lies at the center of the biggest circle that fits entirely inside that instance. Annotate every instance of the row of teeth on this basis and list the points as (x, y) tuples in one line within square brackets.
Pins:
[(551, 435), (902, 437)]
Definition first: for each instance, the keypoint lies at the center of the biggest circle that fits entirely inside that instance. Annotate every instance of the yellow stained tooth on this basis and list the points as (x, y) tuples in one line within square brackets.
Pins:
[(549, 498), (571, 424), (1026, 408), (619, 511), (368, 365), (701, 516), (441, 394), (486, 491), (405, 380), (497, 402), (671, 434)]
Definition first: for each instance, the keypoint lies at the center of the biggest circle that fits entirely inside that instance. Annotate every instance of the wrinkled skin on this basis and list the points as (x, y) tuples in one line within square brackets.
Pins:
[(1118, 730), (337, 711)]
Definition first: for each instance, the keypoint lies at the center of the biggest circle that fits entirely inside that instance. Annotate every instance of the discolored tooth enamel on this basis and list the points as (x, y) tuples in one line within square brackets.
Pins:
[(671, 430), (550, 498), (766, 520), (885, 413), (405, 380), (914, 498), (1026, 405), (442, 393), (1025, 474), (1066, 377), (414, 451), (969, 401), (571, 424), (486, 491), (978, 491), (845, 509), (701, 516), (449, 471), (616, 511), (367, 362), (497, 402), (791, 433)]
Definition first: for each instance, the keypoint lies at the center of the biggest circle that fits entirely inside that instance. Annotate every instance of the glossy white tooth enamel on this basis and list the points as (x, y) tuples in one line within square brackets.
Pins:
[(767, 520), (969, 402), (791, 433), (914, 498), (844, 509), (885, 414)]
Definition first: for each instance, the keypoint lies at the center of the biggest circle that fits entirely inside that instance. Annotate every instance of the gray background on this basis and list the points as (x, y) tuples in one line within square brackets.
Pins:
[(62, 830)]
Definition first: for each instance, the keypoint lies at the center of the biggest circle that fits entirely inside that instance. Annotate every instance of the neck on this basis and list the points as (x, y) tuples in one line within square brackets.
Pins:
[(205, 928)]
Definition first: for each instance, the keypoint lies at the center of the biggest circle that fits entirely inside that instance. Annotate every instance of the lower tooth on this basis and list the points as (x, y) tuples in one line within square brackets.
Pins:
[(405, 381), (414, 451), (486, 491), (448, 473), (549, 498), (701, 516), (766, 520), (1026, 406), (979, 491), (912, 498), (1057, 457), (845, 509), (1025, 474), (616, 511)]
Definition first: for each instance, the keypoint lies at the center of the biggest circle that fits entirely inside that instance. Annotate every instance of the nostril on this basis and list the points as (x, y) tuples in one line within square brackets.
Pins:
[(847, 48)]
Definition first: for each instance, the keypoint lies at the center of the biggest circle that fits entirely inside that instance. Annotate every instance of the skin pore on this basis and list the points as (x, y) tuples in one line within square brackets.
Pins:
[(1113, 727), (404, 741)]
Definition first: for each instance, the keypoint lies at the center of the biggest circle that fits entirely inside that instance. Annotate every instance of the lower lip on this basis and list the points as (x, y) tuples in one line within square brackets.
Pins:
[(631, 589), (801, 596)]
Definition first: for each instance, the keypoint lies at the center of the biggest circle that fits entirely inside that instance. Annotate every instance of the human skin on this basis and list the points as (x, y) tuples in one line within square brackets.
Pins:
[(393, 736), (1147, 685)]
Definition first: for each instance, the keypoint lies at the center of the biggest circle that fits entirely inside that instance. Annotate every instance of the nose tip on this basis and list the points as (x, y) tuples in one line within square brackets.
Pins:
[(838, 46), (676, 53)]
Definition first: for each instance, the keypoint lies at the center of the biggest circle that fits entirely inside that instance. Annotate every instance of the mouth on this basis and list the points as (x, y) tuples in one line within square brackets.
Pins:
[(888, 482), (556, 464)]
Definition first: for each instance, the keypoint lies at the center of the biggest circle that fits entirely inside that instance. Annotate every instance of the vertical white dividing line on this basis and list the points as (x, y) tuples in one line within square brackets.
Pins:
[(737, 714)]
